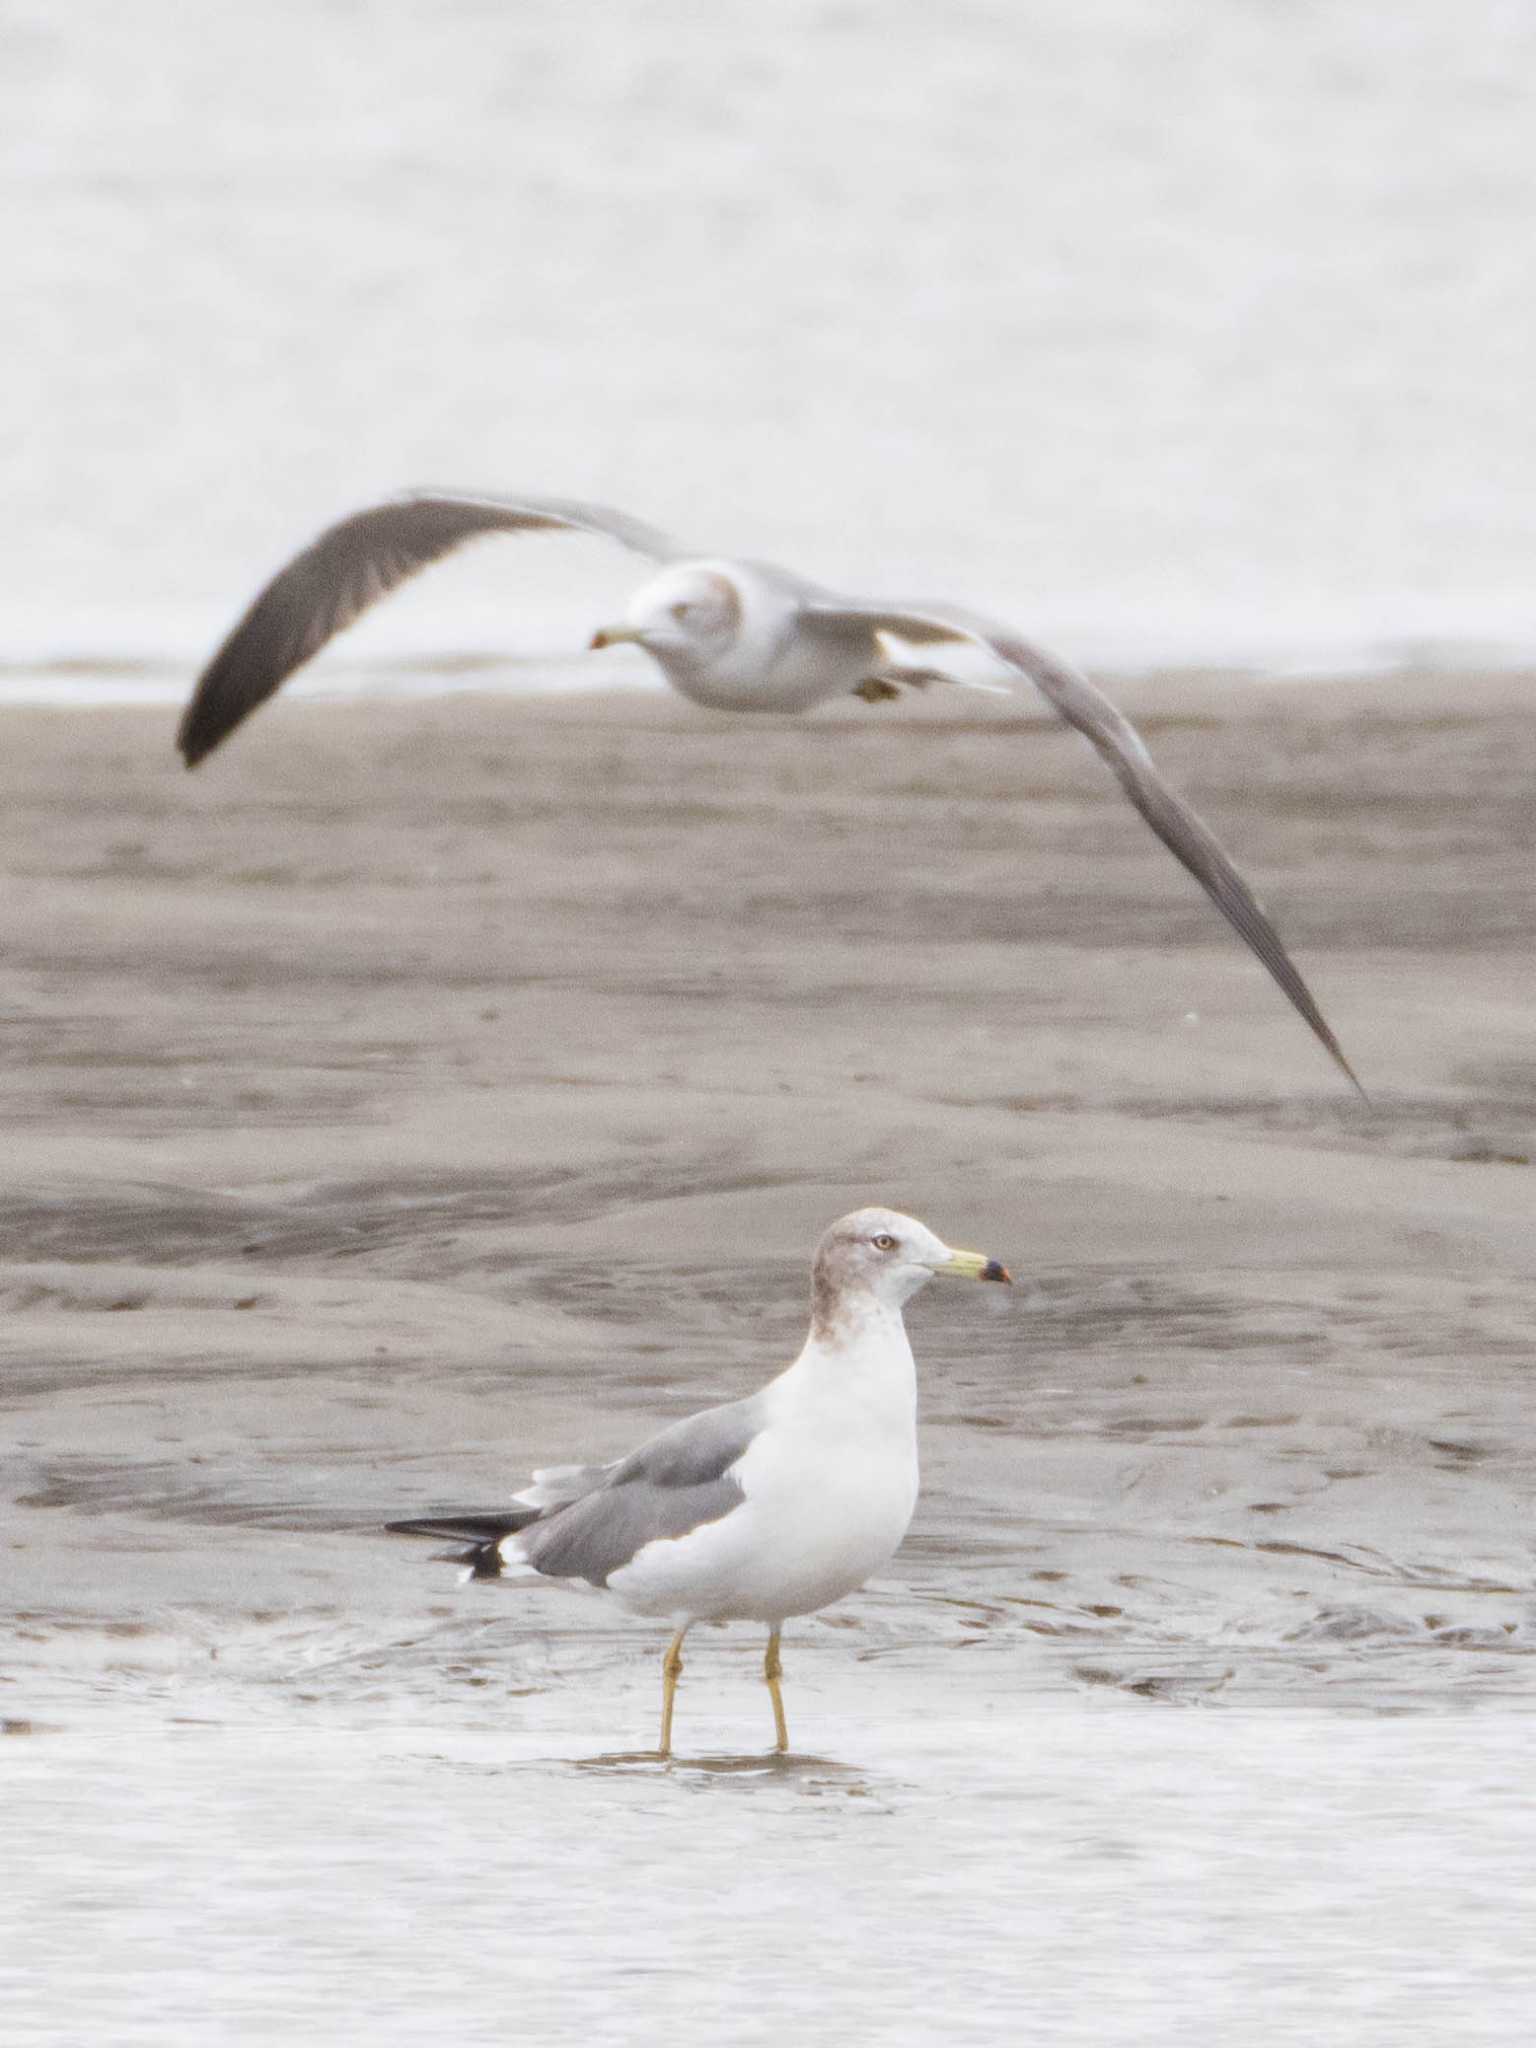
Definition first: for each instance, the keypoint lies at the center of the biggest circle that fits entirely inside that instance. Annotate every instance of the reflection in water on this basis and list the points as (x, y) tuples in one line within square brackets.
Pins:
[(769, 1767), (1125, 1875)]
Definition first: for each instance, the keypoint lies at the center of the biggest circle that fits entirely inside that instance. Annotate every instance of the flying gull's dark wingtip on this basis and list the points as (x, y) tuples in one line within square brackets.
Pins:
[(1352, 1077), (194, 741)]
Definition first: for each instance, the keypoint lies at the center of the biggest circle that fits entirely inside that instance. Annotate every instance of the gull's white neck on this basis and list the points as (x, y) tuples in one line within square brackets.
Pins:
[(858, 1359), (767, 665)]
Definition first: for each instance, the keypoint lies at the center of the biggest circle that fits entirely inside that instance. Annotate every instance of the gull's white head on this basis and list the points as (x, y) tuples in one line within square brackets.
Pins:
[(882, 1253), (691, 612)]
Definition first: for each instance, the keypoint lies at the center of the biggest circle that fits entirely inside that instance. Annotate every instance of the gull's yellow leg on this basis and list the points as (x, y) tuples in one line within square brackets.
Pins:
[(773, 1671), (671, 1672)]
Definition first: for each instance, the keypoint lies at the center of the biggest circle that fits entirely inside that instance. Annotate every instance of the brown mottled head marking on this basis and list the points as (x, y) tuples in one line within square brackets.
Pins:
[(829, 1285), (716, 605), (871, 1259), (687, 609)]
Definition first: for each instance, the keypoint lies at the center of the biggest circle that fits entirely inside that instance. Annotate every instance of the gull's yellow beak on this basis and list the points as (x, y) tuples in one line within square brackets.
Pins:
[(614, 636), (974, 1266)]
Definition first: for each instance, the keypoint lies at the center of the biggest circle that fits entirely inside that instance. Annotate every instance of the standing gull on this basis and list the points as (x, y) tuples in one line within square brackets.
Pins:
[(764, 1508), (735, 635)]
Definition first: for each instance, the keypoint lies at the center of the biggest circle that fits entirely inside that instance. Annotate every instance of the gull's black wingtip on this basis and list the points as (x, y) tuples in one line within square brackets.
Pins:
[(1317, 1024), (206, 722), (1323, 1033), (482, 1535), (193, 742), (1352, 1078)]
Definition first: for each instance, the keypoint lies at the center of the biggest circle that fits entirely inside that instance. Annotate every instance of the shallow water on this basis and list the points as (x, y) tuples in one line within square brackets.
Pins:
[(1092, 1877)]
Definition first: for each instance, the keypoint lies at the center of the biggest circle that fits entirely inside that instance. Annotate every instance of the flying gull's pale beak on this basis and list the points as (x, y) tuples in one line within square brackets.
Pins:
[(973, 1266), (615, 636)]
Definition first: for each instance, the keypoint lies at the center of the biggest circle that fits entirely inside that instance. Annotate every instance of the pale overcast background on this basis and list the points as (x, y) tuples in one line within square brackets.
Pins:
[(1172, 328)]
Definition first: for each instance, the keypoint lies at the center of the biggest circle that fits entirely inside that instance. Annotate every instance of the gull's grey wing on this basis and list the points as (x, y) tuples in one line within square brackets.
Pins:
[(350, 567), (556, 1486), (671, 1486), (586, 1521), (849, 626)]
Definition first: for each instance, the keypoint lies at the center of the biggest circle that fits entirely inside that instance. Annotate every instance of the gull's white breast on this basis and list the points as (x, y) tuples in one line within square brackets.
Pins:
[(769, 665), (830, 1483)]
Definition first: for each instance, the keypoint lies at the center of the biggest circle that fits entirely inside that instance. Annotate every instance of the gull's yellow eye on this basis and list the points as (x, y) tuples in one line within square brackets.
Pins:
[(884, 1242)]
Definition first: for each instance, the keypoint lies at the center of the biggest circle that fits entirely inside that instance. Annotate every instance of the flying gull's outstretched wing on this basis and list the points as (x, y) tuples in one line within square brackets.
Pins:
[(350, 567), (1119, 744)]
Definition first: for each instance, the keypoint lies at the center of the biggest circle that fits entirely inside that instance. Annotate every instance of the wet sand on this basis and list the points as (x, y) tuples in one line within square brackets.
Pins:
[(427, 1091)]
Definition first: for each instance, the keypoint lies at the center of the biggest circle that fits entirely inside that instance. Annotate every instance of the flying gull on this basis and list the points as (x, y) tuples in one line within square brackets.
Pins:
[(734, 635), (764, 1508)]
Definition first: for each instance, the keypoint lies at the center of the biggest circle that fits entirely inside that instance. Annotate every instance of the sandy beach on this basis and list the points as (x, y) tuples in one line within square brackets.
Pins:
[(426, 1091)]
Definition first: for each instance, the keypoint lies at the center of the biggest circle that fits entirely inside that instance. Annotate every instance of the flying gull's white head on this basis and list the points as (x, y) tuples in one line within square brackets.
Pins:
[(723, 633), (692, 608)]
